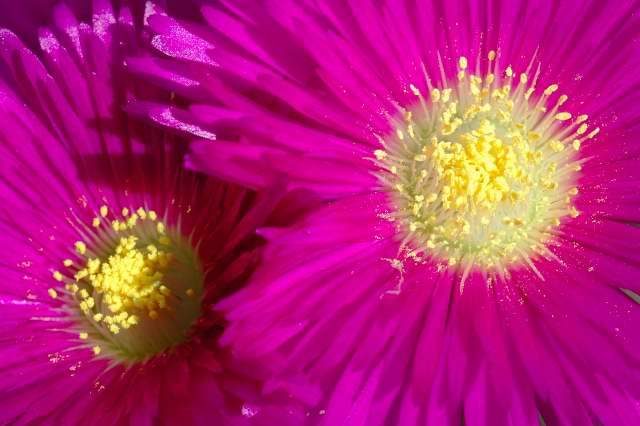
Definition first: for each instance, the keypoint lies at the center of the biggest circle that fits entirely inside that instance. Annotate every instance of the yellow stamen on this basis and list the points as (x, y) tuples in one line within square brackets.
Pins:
[(435, 95), (81, 247), (523, 78), (582, 129), (478, 180), (549, 90)]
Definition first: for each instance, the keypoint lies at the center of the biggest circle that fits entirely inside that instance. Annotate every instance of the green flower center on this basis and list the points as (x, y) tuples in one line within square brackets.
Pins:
[(479, 174), (136, 285)]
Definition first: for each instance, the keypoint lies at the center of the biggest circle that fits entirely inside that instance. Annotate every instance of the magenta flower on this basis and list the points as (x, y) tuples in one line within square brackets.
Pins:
[(112, 254), (474, 259)]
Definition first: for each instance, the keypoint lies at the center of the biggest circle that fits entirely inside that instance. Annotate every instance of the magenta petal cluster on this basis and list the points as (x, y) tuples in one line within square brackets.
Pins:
[(78, 177), (398, 326)]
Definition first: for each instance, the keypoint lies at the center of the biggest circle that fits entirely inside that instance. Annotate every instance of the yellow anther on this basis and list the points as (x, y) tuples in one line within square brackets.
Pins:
[(435, 95), (556, 146), (575, 144), (83, 335), (160, 228), (96, 350), (492, 55), (131, 222), (125, 212), (573, 212), (411, 132), (562, 116), (534, 136), (52, 293), (593, 133), (142, 213), (562, 99), (152, 215), (98, 317), (96, 222), (462, 62), (475, 90), (549, 90), (582, 118), (573, 191), (529, 92), (57, 275), (104, 210), (408, 117), (93, 265), (582, 129), (509, 71), (399, 133), (81, 274), (81, 247), (523, 78), (67, 262)]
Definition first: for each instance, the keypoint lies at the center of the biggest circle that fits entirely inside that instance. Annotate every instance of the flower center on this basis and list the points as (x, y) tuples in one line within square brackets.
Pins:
[(136, 283), (479, 174)]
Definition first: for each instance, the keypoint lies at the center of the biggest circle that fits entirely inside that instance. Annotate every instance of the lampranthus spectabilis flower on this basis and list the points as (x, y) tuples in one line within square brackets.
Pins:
[(475, 260), (113, 255)]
